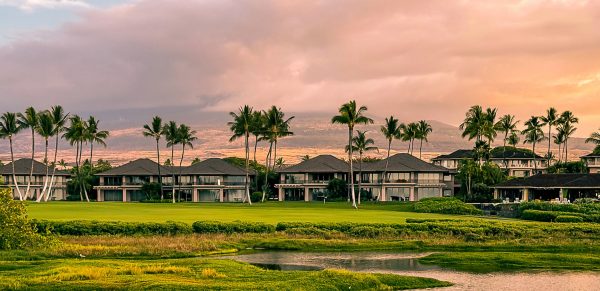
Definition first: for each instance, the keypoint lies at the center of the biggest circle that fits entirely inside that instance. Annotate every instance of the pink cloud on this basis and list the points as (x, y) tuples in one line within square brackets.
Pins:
[(418, 60)]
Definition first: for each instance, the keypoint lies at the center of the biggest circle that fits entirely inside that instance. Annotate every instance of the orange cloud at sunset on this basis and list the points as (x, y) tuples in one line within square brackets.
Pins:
[(414, 59)]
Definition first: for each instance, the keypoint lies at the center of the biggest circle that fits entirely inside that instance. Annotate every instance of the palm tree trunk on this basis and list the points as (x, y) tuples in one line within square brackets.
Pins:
[(87, 198), (359, 177), (566, 149), (159, 175), (387, 161), (12, 160), (172, 173), (32, 158), (350, 130), (549, 139), (534, 160), (53, 169), (255, 146), (504, 150), (559, 153), (274, 154), (420, 147), (267, 164), (41, 195), (91, 154), (180, 164), (78, 170), (247, 186)]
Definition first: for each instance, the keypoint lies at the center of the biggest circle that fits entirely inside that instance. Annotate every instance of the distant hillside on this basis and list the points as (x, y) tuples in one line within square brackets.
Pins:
[(313, 134)]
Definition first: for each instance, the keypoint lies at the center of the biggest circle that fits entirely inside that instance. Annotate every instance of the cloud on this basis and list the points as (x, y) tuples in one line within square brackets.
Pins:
[(426, 59), (30, 5)]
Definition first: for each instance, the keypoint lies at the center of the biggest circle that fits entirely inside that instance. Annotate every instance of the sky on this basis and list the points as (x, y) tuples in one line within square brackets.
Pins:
[(426, 59)]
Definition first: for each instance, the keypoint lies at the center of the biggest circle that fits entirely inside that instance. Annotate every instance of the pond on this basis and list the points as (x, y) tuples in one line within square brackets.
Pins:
[(407, 264)]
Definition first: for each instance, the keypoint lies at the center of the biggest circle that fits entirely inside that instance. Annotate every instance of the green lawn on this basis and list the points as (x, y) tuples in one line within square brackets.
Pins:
[(265, 212)]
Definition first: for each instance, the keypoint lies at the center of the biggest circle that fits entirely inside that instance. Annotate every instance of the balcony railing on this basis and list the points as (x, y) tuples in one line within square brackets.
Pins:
[(376, 181)]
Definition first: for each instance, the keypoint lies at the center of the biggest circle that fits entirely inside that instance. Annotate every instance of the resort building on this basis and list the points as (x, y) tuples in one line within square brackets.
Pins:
[(409, 179), (592, 161), (518, 162), (549, 187), (211, 180), (22, 170)]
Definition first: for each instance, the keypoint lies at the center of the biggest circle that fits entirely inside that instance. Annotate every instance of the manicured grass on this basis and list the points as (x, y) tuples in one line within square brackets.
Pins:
[(486, 262), (265, 212), (189, 274)]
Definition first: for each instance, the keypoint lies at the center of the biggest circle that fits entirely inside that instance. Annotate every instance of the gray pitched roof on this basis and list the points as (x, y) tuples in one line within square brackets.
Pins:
[(403, 162), (554, 181), (139, 167), (215, 166), (510, 153), (318, 164), (23, 167), (591, 155)]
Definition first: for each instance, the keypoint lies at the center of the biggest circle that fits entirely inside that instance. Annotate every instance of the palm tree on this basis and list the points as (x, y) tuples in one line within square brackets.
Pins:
[(551, 119), (361, 144), (351, 115), (76, 135), (94, 135), (240, 127), (170, 131), (507, 125), (185, 136), (559, 139), (423, 130), (567, 130), (594, 138), (473, 124), (275, 127), (513, 139), (155, 130), (257, 128), (305, 158), (533, 135), (45, 129), (409, 133), (488, 127), (567, 119), (9, 127), (391, 130), (29, 120), (59, 119)]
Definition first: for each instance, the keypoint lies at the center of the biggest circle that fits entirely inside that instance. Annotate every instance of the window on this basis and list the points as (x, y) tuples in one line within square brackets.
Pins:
[(398, 193), (113, 181), (429, 177), (208, 180), (427, 192), (206, 195), (113, 195), (399, 177), (236, 180), (322, 177), (294, 178)]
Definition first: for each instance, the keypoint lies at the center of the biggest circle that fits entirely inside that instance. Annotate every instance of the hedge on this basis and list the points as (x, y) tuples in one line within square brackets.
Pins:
[(445, 206), (232, 227), (550, 216), (583, 208), (568, 218), (93, 227)]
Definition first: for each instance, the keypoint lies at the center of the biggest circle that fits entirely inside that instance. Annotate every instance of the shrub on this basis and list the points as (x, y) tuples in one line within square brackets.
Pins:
[(310, 231), (92, 227), (568, 218), (256, 196), (584, 208), (16, 232), (445, 206), (372, 232), (232, 227), (539, 215)]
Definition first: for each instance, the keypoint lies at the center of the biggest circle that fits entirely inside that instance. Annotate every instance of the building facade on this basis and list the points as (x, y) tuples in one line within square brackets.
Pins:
[(38, 179), (408, 179), (211, 180), (517, 162), (549, 187), (592, 161)]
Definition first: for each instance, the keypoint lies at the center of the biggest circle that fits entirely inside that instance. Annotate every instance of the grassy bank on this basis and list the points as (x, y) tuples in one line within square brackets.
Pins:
[(263, 212), (186, 274), (486, 262)]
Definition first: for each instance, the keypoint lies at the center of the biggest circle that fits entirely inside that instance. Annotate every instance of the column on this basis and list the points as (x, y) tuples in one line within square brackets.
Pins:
[(222, 195), (496, 193), (195, 194), (382, 194), (281, 194), (124, 195), (100, 195), (306, 194), (411, 195), (526, 194)]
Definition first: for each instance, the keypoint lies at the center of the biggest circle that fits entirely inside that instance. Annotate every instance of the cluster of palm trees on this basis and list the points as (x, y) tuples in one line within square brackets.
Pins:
[(265, 125), (351, 115), (482, 126), (50, 124), (595, 139), (174, 135)]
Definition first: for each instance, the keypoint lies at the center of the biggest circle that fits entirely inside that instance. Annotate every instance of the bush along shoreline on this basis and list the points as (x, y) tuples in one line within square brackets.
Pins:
[(554, 212)]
